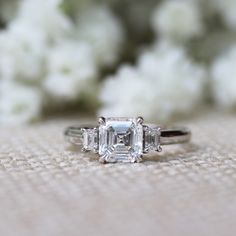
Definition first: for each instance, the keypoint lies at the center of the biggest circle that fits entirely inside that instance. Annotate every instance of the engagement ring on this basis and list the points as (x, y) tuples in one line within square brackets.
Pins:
[(124, 139)]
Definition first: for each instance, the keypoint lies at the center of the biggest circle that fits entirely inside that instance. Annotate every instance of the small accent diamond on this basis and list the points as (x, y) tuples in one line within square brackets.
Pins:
[(151, 139), (90, 139)]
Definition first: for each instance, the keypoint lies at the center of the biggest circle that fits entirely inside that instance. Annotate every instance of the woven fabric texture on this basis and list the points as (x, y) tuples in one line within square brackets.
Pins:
[(48, 189)]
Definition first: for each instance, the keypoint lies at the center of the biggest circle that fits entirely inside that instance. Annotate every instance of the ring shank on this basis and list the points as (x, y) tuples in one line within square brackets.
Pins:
[(172, 135), (74, 134), (175, 135)]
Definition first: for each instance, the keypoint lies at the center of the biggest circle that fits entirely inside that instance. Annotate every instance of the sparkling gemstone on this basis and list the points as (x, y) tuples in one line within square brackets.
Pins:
[(151, 139), (120, 140), (90, 139)]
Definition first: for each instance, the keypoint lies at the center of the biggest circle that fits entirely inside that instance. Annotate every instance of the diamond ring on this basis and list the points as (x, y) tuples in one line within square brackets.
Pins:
[(124, 139)]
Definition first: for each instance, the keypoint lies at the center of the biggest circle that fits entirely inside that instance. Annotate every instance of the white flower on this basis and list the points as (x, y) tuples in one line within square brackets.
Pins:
[(179, 82), (71, 67), (178, 19), (122, 94), (224, 79), (19, 104), (22, 50), (163, 84), (46, 16), (214, 44), (227, 9), (99, 27), (62, 86), (8, 9)]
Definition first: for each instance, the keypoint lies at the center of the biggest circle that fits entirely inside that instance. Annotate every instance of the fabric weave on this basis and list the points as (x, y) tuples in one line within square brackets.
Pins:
[(47, 189)]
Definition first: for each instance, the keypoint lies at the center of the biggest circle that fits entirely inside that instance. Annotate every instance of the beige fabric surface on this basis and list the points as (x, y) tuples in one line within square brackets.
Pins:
[(46, 189)]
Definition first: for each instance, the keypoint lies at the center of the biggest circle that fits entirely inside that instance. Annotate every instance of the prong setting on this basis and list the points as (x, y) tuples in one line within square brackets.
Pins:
[(121, 139), (140, 120), (102, 160), (159, 148), (139, 159), (84, 149), (101, 120)]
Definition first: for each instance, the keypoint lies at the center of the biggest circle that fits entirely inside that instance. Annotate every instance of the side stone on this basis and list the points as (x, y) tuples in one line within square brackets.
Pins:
[(152, 139), (90, 139)]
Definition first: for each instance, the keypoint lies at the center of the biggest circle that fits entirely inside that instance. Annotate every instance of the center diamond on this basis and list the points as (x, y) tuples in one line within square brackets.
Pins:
[(120, 140)]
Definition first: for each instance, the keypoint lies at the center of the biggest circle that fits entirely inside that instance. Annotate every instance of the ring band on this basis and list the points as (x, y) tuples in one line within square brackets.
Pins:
[(124, 139), (173, 135)]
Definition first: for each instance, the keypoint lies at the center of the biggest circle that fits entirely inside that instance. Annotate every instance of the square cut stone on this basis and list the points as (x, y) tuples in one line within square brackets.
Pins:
[(120, 140)]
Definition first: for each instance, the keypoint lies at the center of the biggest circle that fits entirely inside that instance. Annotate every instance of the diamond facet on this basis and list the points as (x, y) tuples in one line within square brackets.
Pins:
[(151, 139), (90, 139), (120, 140)]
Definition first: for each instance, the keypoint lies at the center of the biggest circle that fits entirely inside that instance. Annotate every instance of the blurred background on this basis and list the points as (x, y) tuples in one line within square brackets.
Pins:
[(163, 60)]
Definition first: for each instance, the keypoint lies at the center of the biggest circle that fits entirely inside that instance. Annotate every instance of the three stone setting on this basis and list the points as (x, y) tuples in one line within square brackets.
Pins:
[(121, 139)]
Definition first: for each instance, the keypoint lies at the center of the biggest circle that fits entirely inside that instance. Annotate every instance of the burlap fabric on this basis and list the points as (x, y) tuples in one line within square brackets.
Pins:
[(46, 189)]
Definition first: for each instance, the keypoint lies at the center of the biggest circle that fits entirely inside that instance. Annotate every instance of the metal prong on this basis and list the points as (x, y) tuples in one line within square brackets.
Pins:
[(101, 120), (84, 150), (159, 148), (139, 159), (145, 151), (102, 160), (140, 120)]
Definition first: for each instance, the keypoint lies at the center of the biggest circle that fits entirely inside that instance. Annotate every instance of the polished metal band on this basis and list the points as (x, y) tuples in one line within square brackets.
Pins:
[(175, 135), (172, 135)]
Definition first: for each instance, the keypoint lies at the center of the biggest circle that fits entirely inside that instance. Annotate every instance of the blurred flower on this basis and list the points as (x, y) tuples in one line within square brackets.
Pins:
[(21, 49), (61, 55), (19, 104), (178, 19), (98, 26), (213, 44), (135, 16), (224, 79), (46, 16), (123, 94), (165, 82), (227, 9), (70, 68), (8, 9)]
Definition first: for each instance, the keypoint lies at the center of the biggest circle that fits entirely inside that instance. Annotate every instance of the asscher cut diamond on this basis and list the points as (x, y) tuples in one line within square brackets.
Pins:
[(120, 140)]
